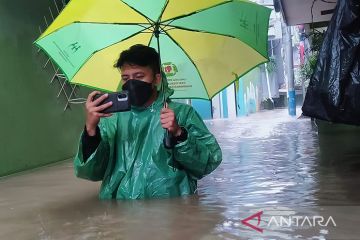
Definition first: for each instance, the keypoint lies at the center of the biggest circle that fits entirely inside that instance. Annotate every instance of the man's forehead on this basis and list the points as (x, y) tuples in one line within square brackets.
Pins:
[(132, 71), (127, 68)]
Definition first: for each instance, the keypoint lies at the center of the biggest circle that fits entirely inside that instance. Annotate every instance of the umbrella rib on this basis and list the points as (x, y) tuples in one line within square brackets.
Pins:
[(112, 23), (119, 41), (168, 24), (219, 34), (150, 39), (191, 62), (93, 53), (162, 11), (48, 54), (75, 22), (172, 28), (197, 11), (164, 30), (148, 19), (153, 33), (238, 77)]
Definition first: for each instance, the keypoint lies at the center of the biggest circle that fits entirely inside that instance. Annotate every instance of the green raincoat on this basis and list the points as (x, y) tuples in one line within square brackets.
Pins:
[(133, 163)]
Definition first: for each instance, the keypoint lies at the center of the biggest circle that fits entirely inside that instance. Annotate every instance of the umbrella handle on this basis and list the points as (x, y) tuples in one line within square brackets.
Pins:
[(169, 140)]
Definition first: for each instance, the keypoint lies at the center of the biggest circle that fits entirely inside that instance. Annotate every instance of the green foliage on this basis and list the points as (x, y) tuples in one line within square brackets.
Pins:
[(307, 69), (271, 65), (317, 39)]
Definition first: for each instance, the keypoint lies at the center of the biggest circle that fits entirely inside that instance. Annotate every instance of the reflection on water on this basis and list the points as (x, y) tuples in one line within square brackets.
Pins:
[(272, 163), (274, 167)]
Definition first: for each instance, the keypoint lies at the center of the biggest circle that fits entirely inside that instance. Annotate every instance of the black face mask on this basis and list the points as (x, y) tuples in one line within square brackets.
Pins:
[(139, 91)]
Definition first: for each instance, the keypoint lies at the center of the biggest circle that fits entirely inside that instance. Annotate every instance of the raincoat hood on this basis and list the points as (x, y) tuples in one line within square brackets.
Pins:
[(163, 93), (166, 90)]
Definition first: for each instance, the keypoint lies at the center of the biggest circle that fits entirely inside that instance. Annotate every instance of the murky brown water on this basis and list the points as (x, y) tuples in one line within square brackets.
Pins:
[(272, 163)]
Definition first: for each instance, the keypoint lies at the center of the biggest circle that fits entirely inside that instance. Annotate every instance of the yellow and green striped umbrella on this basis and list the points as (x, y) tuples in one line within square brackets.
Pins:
[(204, 43)]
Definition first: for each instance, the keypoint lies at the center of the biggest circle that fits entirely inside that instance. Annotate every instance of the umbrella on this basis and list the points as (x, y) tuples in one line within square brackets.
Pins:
[(205, 44)]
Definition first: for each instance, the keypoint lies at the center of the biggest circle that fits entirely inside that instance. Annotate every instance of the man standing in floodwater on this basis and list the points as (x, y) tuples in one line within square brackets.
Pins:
[(125, 150)]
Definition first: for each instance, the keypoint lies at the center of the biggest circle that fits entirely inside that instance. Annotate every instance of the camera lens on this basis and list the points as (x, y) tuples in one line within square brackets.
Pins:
[(122, 97)]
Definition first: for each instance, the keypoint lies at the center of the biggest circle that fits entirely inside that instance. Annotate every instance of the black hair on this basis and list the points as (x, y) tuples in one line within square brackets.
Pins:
[(140, 55)]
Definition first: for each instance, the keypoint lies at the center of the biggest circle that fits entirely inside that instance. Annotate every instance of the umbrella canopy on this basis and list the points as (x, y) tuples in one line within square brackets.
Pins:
[(205, 44)]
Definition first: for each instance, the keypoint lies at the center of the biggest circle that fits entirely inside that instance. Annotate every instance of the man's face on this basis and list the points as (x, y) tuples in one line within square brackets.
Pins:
[(144, 74)]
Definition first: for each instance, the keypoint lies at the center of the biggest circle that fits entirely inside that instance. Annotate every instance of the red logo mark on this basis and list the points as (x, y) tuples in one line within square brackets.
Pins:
[(168, 69), (256, 215)]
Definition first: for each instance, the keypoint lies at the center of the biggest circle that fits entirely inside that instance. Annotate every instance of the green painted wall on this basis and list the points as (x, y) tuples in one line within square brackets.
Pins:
[(34, 128)]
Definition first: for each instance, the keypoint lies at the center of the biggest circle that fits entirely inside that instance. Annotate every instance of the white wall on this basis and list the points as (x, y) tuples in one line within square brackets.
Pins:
[(216, 105), (231, 101)]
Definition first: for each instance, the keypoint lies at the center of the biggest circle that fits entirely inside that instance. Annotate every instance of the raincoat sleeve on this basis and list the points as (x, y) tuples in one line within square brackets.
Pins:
[(200, 153), (95, 166)]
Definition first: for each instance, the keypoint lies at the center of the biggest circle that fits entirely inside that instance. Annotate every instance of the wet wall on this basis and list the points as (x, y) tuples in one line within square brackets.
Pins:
[(34, 129)]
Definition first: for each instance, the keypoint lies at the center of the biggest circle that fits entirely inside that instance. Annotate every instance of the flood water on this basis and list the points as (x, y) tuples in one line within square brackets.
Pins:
[(273, 165)]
